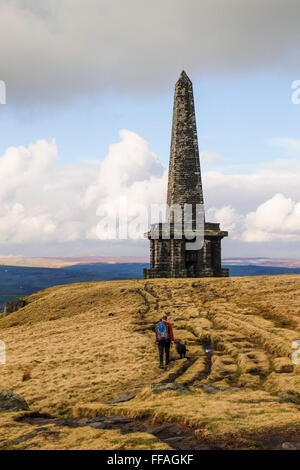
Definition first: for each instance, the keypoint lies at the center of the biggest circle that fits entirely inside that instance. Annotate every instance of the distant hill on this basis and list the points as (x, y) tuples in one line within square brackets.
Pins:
[(19, 281), (254, 270), (276, 262), (62, 261)]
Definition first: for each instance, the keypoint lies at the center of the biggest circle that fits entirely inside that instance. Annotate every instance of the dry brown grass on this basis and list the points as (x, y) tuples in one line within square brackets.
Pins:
[(222, 367), (79, 356), (194, 372)]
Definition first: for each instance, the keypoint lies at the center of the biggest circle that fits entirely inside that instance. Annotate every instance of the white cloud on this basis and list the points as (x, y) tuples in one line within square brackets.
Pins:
[(259, 207), (228, 218), (36, 203), (44, 202), (276, 219), (130, 171), (19, 226), (128, 164), (245, 191), (20, 166)]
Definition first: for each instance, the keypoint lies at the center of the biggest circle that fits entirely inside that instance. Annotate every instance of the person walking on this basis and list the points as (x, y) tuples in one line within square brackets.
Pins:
[(164, 338)]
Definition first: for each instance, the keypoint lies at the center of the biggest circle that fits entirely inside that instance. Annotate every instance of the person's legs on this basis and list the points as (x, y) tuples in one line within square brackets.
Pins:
[(167, 348), (161, 353)]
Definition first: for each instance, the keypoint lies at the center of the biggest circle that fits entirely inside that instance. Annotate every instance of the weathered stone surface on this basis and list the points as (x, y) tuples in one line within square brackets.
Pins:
[(11, 307), (10, 401), (169, 256), (291, 397), (184, 184), (99, 425), (106, 422), (121, 399), (208, 388), (160, 429), (117, 420), (170, 386)]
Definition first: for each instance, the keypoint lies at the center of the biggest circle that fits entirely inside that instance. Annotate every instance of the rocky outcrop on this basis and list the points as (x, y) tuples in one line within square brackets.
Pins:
[(169, 387), (122, 399), (10, 401)]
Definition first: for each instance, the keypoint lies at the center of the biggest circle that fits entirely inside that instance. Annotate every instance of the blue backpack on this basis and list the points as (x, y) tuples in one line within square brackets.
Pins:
[(162, 331)]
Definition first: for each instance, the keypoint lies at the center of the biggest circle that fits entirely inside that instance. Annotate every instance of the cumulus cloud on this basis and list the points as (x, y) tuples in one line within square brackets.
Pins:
[(228, 218), (20, 166), (56, 49), (131, 173), (19, 226), (276, 219), (127, 164), (262, 206), (244, 191), (42, 201)]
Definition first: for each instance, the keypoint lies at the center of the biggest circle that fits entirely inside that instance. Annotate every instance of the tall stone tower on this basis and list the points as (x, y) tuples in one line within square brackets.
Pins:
[(171, 252)]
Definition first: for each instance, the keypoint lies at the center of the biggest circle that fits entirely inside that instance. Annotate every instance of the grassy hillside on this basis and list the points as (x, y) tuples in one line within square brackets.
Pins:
[(20, 281), (82, 345)]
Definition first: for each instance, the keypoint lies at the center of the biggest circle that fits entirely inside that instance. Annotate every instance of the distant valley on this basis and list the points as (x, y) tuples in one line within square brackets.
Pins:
[(21, 281)]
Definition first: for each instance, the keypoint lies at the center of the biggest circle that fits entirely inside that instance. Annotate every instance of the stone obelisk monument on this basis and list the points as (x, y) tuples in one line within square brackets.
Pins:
[(171, 255)]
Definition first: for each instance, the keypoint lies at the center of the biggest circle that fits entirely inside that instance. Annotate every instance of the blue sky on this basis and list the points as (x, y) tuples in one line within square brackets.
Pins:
[(237, 116), (82, 76)]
